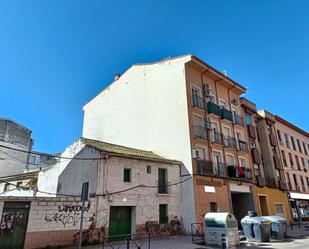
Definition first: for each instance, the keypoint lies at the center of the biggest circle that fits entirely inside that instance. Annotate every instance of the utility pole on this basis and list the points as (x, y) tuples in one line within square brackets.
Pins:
[(84, 197)]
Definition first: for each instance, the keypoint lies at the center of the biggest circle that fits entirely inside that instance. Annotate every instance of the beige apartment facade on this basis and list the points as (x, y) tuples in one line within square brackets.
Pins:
[(183, 109), (294, 150)]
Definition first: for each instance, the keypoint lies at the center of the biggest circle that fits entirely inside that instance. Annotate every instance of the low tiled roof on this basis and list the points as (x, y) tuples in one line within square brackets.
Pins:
[(119, 150)]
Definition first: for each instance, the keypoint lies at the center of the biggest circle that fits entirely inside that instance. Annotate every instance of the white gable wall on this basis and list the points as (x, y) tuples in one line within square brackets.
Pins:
[(147, 108)]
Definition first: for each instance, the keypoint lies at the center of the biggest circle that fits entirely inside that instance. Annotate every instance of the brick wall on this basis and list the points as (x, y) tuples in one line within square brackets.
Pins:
[(56, 221)]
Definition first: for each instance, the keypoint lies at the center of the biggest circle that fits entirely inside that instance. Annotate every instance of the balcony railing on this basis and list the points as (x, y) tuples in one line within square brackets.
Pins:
[(213, 108), (229, 141), (239, 172), (200, 132), (205, 167), (198, 101), (226, 114), (238, 120), (242, 146), (219, 169), (216, 137), (271, 182)]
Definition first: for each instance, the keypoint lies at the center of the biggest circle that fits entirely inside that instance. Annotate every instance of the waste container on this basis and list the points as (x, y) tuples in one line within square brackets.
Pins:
[(221, 229), (278, 226), (256, 228)]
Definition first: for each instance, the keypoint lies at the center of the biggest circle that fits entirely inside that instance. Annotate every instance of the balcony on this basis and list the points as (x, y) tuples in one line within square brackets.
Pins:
[(208, 168), (229, 141), (216, 137), (261, 182), (271, 182), (219, 169), (213, 108), (198, 101), (226, 114), (204, 167), (200, 132), (242, 146), (282, 185), (239, 172), (238, 120)]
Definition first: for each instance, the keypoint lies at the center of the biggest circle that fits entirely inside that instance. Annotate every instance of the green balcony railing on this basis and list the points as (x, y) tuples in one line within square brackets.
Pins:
[(213, 108), (226, 114)]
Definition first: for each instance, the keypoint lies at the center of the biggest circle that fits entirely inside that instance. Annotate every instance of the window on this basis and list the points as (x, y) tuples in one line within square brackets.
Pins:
[(302, 183), (299, 147), (297, 162), (286, 137), (163, 217), (195, 96), (127, 175), (307, 178), (243, 162), (285, 164), (18, 184), (288, 181), (293, 143), (248, 119), (279, 135), (6, 187), (222, 103), (201, 152), (291, 160), (148, 169), (269, 130), (230, 160), (305, 150), (303, 162), (213, 207), (279, 209), (162, 176), (295, 182)]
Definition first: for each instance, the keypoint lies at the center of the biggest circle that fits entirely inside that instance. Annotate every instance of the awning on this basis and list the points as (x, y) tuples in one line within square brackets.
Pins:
[(299, 196)]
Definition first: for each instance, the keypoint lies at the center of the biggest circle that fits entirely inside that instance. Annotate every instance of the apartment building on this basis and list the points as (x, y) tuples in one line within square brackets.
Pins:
[(294, 150), (183, 109), (270, 188), (16, 136)]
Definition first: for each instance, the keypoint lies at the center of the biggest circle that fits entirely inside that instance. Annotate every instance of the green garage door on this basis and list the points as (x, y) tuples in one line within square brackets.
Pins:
[(14, 225), (119, 221)]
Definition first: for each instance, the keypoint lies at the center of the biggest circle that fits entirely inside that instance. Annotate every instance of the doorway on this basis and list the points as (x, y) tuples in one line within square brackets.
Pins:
[(263, 205), (120, 221), (242, 203), (13, 225)]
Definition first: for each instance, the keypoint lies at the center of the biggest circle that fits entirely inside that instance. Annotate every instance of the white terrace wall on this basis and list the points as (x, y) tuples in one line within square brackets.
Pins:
[(56, 221)]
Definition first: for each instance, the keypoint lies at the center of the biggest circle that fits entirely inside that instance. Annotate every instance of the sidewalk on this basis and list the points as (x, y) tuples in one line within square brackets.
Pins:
[(297, 238)]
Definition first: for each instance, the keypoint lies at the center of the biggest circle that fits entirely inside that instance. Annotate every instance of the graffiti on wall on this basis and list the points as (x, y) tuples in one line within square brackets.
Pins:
[(67, 214)]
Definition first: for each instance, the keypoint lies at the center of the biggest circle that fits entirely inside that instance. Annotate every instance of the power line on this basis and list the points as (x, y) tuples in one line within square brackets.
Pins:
[(38, 191), (55, 156)]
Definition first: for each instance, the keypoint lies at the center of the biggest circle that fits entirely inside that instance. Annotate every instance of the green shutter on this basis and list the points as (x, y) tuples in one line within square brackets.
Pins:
[(127, 175), (163, 214), (162, 181)]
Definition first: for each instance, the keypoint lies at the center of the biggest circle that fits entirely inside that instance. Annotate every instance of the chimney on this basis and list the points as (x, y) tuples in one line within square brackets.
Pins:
[(117, 76)]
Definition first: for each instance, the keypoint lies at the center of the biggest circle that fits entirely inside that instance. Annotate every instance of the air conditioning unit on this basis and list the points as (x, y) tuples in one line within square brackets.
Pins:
[(206, 89), (195, 154), (234, 101)]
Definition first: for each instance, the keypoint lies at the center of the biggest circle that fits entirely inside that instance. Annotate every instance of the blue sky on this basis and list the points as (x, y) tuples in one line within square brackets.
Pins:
[(56, 55)]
